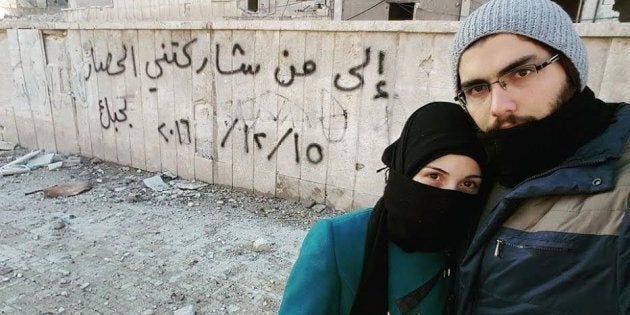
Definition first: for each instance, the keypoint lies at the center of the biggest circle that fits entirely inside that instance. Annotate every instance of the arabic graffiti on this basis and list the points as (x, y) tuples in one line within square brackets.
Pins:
[(154, 72), (308, 68), (331, 121), (111, 118), (296, 143), (181, 57), (309, 155), (183, 131), (381, 83), (120, 63), (245, 69), (172, 60), (356, 72)]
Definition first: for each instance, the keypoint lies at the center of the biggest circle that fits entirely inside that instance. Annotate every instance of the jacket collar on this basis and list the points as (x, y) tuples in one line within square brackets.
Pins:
[(597, 163)]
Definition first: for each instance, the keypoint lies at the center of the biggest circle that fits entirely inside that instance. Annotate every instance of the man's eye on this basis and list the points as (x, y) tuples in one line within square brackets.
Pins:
[(476, 90), (522, 73)]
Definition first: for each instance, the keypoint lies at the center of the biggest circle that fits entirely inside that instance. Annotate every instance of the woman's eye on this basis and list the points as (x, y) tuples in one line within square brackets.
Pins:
[(434, 176), (470, 186)]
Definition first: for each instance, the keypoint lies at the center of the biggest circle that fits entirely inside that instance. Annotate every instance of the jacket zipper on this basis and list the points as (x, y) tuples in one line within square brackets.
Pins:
[(574, 164), (501, 243)]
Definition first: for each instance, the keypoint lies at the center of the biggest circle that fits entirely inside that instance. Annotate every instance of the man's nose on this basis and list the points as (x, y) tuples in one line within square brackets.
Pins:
[(502, 103)]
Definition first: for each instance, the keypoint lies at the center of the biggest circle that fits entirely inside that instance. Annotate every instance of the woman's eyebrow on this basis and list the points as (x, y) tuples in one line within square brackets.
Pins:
[(437, 169)]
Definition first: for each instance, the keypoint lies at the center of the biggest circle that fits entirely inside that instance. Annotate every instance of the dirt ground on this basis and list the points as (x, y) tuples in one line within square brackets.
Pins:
[(122, 248)]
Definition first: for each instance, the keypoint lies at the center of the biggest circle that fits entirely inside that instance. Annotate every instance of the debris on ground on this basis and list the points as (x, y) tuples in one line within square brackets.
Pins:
[(54, 166), (186, 310), (318, 208), (308, 203), (7, 146), (5, 270), (65, 190), (58, 225), (187, 185), (222, 250), (72, 161), (261, 245), (156, 183), (17, 167), (40, 161), (169, 175)]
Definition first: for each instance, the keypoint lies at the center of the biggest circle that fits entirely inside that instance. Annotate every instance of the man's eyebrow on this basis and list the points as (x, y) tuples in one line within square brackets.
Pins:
[(516, 63)]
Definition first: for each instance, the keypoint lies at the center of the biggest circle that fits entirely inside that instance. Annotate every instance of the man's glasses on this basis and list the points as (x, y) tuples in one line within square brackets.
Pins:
[(517, 78)]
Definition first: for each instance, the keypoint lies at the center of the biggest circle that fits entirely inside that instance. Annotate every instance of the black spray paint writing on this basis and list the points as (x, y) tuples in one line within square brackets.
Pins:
[(356, 72), (244, 69), (155, 69), (158, 71), (183, 131), (381, 84), (308, 68), (106, 66), (313, 158), (107, 118)]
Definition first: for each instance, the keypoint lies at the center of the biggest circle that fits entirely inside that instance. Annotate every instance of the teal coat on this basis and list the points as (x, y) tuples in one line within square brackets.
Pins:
[(326, 275)]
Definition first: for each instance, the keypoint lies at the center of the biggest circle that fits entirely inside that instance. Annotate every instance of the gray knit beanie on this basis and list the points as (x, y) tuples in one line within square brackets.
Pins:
[(541, 20)]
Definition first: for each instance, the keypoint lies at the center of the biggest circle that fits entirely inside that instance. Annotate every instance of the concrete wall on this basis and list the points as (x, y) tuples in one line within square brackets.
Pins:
[(292, 109)]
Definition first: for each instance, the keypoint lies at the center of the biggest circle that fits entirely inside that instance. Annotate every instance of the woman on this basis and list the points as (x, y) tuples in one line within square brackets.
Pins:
[(392, 258)]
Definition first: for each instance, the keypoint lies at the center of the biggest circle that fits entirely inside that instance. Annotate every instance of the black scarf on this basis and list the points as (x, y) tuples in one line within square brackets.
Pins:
[(417, 217), (438, 217), (524, 151)]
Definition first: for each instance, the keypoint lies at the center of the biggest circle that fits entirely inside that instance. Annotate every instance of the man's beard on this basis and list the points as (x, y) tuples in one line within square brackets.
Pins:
[(525, 150), (564, 95)]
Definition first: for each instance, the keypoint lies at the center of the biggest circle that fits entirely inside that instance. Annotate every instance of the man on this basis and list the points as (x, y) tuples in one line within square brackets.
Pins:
[(555, 238)]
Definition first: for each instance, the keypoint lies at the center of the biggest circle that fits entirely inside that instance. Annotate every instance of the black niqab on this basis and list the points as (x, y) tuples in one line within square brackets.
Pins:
[(401, 215)]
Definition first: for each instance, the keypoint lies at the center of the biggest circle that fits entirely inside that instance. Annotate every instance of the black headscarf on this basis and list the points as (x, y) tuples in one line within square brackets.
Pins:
[(415, 216)]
